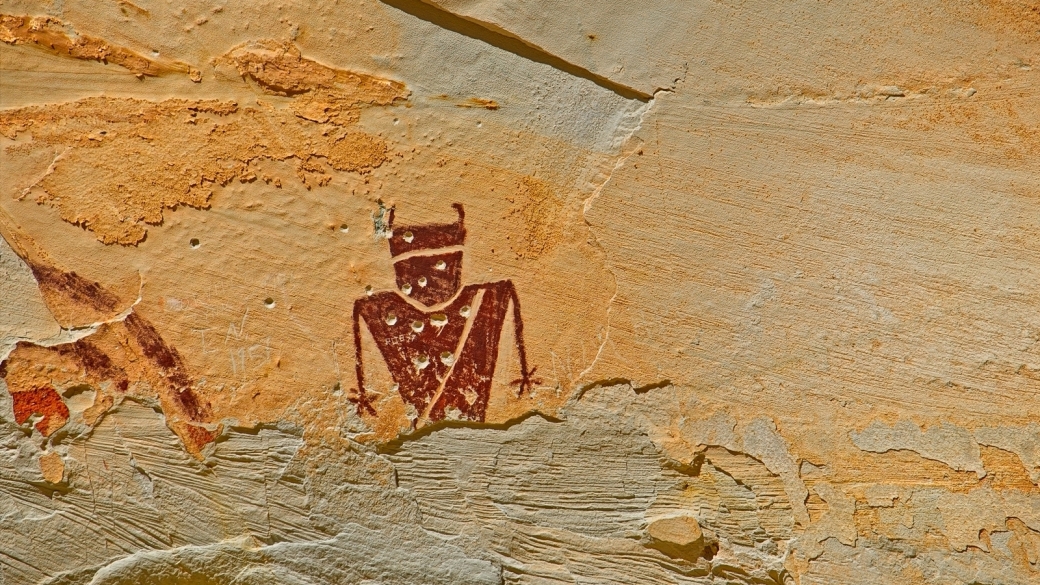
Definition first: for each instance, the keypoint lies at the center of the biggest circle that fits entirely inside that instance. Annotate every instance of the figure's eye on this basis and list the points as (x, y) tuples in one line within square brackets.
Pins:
[(408, 237)]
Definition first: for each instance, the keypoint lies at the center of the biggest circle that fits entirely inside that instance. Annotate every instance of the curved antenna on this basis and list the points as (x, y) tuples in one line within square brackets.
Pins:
[(460, 211)]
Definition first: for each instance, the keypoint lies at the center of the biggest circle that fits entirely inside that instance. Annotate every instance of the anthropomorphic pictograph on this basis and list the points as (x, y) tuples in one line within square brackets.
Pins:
[(439, 340)]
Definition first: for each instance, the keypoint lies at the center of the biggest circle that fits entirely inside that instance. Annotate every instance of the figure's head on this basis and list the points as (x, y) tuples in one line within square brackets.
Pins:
[(428, 258)]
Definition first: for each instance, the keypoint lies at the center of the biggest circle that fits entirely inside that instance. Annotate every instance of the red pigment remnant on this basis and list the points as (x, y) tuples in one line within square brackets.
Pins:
[(74, 287), (441, 349), (44, 401), (170, 367), (120, 352)]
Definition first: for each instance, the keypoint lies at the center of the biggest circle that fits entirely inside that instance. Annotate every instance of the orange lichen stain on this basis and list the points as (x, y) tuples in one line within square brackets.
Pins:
[(52, 467), (49, 33), (1005, 471), (538, 207), (474, 102), (324, 94), (43, 401), (120, 162)]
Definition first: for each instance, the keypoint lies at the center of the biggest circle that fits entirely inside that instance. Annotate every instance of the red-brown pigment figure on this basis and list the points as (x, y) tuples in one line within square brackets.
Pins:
[(119, 353), (438, 339)]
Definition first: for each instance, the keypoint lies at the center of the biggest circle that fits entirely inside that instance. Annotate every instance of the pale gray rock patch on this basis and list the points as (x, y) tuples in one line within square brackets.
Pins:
[(946, 443)]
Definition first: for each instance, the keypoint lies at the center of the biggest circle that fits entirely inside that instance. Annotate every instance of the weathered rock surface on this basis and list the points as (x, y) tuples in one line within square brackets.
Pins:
[(459, 291)]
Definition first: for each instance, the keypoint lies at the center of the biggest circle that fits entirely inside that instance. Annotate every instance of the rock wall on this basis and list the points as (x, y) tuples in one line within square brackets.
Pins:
[(457, 291)]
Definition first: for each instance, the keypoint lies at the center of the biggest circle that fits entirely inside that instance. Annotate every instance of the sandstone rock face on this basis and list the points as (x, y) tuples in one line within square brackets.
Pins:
[(462, 291)]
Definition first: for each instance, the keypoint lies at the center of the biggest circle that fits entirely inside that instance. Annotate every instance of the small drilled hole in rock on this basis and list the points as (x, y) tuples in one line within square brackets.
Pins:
[(344, 228), (408, 237), (440, 265), (391, 318), (269, 303), (417, 326), (368, 290), (464, 311), (194, 243), (407, 289), (422, 281)]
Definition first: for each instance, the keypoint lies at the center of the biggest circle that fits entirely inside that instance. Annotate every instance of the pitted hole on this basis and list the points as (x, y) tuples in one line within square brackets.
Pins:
[(447, 358), (417, 326), (194, 243), (269, 303), (391, 319), (344, 228), (440, 265), (464, 311), (406, 289), (438, 319), (422, 281), (368, 289), (408, 237), (421, 362)]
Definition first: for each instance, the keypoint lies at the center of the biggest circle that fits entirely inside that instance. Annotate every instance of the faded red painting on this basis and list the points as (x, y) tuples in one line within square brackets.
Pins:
[(122, 356), (438, 339)]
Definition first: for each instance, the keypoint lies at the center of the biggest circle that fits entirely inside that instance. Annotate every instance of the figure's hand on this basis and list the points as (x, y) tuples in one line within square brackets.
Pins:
[(527, 381), (361, 401)]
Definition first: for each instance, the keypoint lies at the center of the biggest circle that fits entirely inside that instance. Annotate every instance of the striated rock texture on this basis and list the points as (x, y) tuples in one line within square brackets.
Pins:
[(519, 292)]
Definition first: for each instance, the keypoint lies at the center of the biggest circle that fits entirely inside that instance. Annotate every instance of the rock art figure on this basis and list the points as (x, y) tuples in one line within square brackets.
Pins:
[(438, 338), (125, 355)]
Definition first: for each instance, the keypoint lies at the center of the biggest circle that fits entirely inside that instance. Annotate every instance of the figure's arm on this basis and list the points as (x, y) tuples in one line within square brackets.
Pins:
[(526, 380), (361, 399)]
